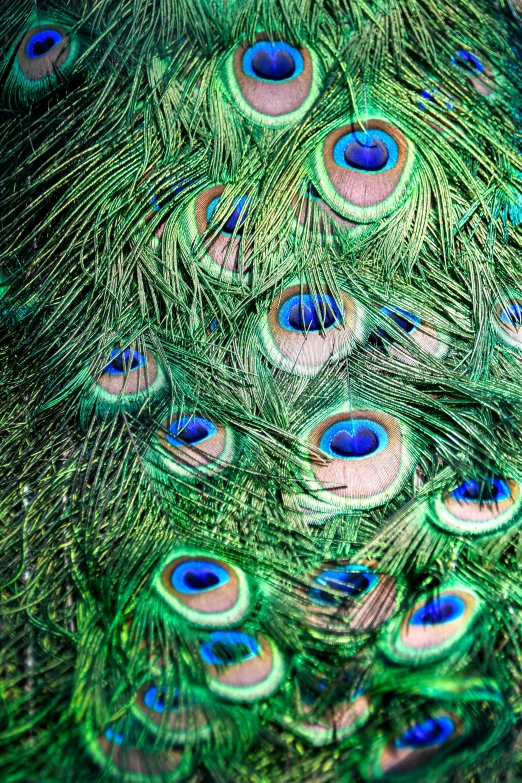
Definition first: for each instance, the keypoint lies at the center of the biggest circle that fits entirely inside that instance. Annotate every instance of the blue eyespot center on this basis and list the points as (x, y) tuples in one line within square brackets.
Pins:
[(354, 439), (401, 318), (190, 431), (198, 576), (272, 62), (361, 443), (309, 313), (312, 192), (467, 60), (124, 361), (354, 582), (155, 700), (369, 151), (439, 610), (116, 737), (234, 222), (430, 96), (275, 68), (309, 692), (429, 733), (225, 648), (490, 490), (166, 197), (512, 314), (41, 43), (366, 154)]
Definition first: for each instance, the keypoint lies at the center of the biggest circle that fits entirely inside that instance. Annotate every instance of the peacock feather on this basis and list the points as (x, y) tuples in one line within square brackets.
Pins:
[(261, 407)]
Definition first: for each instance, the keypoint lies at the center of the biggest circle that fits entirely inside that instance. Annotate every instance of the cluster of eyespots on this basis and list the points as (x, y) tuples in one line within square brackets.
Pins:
[(218, 234), (191, 445), (363, 172), (438, 627), (302, 330), (358, 459), (241, 666), (508, 323), (211, 593), (272, 82), (344, 599), (478, 71), (203, 590), (478, 506), (421, 332), (46, 53)]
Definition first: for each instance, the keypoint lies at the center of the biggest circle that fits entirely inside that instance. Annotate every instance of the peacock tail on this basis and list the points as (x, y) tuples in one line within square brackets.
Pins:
[(261, 396)]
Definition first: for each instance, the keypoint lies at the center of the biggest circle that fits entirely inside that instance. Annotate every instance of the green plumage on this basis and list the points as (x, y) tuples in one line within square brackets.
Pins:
[(261, 308)]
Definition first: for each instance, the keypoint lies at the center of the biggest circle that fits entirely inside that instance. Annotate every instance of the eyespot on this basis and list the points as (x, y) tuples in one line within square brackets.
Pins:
[(45, 55), (438, 625), (401, 318), (204, 590), (508, 323), (479, 506), (352, 582), (128, 373), (422, 333), (459, 719), (190, 445), (272, 83), (349, 598), (158, 708), (242, 667), (476, 69), (363, 174), (127, 381), (116, 752), (367, 458), (224, 254), (334, 725), (417, 747), (234, 222), (302, 330)]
